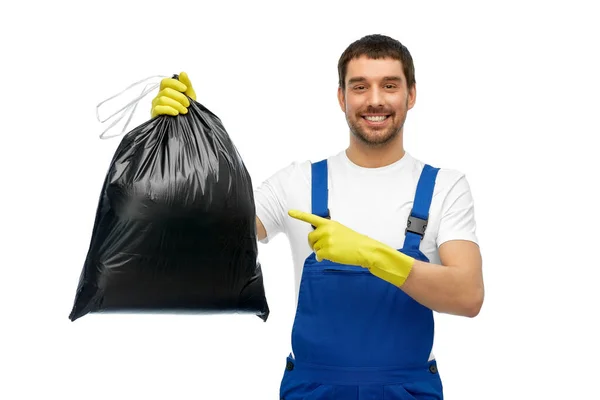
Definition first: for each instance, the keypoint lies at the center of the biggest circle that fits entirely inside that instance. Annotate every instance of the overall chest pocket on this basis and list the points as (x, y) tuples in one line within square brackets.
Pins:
[(344, 269)]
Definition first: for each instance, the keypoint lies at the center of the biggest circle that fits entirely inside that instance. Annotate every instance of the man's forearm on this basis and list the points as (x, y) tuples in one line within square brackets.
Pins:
[(444, 289)]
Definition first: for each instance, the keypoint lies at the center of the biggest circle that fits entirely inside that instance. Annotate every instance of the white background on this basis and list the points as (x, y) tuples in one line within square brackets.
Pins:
[(507, 93)]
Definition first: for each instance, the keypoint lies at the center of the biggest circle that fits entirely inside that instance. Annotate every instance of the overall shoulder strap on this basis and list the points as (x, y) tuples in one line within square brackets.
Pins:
[(419, 215), (320, 189)]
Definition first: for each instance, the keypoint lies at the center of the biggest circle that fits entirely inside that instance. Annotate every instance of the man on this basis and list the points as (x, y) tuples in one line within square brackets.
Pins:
[(364, 322)]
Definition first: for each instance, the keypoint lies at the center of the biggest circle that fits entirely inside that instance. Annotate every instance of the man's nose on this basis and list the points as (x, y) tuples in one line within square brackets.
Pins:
[(375, 97)]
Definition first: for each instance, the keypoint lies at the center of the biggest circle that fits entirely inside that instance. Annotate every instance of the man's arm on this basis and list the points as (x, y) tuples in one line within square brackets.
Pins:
[(261, 232), (270, 199), (455, 287)]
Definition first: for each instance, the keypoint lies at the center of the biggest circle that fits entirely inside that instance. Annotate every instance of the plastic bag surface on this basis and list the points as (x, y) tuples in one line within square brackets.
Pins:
[(175, 226)]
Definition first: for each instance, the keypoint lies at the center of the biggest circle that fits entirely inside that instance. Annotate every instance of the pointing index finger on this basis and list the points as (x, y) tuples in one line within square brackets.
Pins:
[(312, 219)]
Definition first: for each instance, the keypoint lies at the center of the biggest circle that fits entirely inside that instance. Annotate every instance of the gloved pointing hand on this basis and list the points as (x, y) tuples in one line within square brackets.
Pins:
[(340, 244), (171, 98)]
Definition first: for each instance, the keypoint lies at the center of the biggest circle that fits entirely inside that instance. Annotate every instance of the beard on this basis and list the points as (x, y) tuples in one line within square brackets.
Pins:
[(374, 136)]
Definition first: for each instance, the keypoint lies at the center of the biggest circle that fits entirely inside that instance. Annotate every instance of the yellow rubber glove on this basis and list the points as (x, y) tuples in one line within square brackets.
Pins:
[(171, 99), (335, 242)]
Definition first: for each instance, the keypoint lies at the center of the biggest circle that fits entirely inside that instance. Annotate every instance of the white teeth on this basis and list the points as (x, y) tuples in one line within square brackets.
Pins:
[(378, 118)]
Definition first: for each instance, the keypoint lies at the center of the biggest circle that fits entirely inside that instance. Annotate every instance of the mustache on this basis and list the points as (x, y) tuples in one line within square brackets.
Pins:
[(375, 110)]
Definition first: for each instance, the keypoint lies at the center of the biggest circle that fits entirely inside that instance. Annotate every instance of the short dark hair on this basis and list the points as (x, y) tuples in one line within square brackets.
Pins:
[(375, 47)]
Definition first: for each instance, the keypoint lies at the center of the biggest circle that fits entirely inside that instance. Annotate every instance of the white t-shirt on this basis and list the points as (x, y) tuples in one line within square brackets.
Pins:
[(372, 201)]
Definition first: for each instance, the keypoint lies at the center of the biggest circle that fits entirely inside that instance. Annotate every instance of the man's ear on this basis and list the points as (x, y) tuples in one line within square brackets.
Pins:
[(412, 97), (341, 99)]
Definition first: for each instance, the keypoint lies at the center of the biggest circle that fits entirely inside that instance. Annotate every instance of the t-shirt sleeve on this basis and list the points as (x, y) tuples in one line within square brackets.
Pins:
[(458, 214), (271, 202)]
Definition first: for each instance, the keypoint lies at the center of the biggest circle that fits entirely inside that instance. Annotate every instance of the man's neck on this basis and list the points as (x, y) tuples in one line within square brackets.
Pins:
[(367, 156)]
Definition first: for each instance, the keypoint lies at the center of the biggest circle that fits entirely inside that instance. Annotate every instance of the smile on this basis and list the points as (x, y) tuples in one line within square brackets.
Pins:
[(375, 119)]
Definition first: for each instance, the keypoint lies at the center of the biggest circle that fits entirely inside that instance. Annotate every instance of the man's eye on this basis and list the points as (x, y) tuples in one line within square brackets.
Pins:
[(390, 86), (359, 87)]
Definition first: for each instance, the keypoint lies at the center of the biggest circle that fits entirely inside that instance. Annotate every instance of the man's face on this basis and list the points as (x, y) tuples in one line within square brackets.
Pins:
[(376, 99)]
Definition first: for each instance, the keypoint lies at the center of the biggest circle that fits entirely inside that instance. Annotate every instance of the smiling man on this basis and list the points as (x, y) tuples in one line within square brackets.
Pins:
[(380, 241)]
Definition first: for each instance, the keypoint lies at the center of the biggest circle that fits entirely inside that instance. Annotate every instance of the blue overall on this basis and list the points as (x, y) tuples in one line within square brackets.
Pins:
[(356, 336)]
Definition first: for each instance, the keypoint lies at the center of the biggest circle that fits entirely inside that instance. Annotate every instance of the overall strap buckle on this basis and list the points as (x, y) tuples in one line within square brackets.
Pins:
[(416, 225)]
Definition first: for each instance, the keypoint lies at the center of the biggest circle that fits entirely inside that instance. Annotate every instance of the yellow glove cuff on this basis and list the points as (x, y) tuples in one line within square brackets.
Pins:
[(389, 264)]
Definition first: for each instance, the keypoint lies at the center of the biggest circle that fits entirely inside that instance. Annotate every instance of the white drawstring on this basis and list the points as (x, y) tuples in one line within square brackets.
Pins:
[(130, 107)]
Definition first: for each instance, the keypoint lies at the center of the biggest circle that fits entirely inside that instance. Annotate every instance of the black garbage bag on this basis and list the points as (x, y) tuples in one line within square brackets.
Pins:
[(175, 226)]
